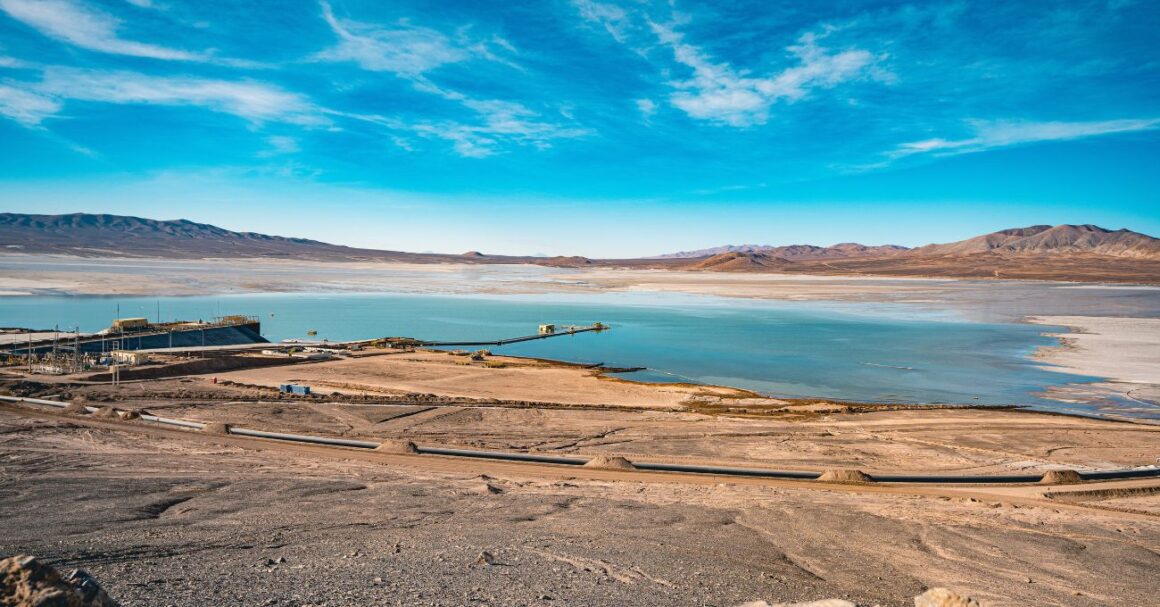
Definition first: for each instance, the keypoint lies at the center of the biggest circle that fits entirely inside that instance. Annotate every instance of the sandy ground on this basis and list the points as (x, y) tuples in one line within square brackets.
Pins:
[(429, 399), (907, 441), (443, 374), (180, 518), (1126, 351)]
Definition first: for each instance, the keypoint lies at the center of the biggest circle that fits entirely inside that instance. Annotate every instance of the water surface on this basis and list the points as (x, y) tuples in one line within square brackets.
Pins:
[(878, 352)]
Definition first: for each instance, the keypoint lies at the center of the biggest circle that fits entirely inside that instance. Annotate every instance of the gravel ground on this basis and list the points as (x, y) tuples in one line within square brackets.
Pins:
[(192, 522)]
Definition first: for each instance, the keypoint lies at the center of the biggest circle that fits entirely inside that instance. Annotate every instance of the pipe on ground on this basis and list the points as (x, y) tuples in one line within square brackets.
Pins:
[(658, 467)]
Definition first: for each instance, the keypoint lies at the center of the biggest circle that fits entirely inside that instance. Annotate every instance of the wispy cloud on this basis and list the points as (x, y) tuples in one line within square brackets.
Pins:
[(30, 103), (280, 145), (501, 123), (646, 107), (412, 52), (720, 93), (1004, 133), (87, 28), (403, 49), (717, 91), (614, 19), (14, 63), (26, 107)]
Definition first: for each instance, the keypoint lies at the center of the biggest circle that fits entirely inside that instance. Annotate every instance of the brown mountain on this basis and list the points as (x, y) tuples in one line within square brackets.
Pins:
[(739, 262), (793, 252), (1048, 240), (1066, 252), (91, 235)]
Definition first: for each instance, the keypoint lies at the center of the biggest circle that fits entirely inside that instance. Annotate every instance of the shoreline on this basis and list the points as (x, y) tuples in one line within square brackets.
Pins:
[(60, 275), (1122, 352)]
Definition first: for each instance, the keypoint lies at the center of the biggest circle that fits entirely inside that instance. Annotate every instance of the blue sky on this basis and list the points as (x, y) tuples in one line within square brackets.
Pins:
[(582, 127)]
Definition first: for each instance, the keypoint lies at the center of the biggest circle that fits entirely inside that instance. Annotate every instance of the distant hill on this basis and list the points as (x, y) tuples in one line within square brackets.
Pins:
[(739, 262), (1061, 240), (1049, 240), (93, 235), (1064, 252), (792, 252)]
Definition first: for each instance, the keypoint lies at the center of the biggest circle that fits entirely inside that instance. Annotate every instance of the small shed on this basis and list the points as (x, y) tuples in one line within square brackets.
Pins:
[(129, 357), (547, 329), (297, 389)]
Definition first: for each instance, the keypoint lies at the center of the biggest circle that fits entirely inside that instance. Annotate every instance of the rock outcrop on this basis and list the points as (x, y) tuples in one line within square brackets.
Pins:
[(27, 582)]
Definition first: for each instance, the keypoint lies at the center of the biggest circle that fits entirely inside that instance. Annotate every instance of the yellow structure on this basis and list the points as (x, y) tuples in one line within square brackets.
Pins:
[(122, 324), (547, 329)]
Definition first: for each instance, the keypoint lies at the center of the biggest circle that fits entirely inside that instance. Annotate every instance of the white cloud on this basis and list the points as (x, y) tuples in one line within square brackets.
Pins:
[(14, 63), (502, 123), (280, 145), (85, 27), (647, 107), (410, 52), (1003, 133), (614, 19), (719, 93), (26, 107), (404, 49), (254, 101)]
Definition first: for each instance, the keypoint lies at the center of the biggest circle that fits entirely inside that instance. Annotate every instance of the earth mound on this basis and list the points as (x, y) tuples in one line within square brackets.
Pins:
[(941, 597), (106, 413), (25, 581), (845, 476), (216, 428), (77, 406), (398, 446), (609, 462), (821, 603), (1061, 477)]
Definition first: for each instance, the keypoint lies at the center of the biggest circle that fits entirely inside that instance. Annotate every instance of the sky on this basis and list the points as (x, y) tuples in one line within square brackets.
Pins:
[(580, 127)]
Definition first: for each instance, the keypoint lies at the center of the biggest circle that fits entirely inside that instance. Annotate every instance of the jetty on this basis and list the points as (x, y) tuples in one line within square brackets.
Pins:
[(543, 334)]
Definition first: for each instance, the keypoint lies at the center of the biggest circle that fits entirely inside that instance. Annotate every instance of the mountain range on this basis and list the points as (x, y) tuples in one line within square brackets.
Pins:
[(1040, 239), (795, 251), (1063, 252)]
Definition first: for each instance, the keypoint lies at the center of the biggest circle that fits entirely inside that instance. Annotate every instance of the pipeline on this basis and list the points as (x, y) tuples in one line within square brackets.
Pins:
[(1147, 472)]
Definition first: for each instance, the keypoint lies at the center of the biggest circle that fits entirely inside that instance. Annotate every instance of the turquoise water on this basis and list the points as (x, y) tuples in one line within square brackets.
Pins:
[(852, 351)]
